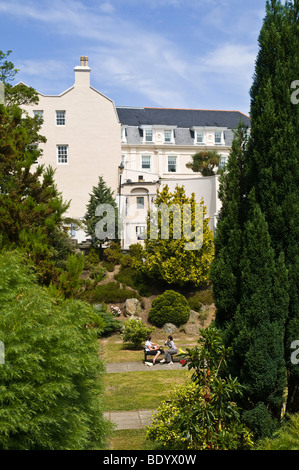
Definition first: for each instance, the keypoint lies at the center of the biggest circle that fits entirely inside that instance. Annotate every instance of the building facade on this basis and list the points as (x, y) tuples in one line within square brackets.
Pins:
[(135, 150)]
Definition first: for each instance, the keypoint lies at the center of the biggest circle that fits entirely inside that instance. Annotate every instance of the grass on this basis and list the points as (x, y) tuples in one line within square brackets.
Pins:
[(143, 391), (132, 439), (129, 391)]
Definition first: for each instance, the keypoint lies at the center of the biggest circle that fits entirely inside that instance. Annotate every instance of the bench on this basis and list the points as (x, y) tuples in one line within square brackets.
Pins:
[(146, 353)]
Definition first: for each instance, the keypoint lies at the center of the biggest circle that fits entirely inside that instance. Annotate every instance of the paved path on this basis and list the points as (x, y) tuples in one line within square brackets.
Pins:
[(141, 418), (139, 366)]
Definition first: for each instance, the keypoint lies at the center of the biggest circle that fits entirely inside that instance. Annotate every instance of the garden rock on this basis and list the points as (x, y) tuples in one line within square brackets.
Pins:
[(132, 307), (192, 329), (169, 328)]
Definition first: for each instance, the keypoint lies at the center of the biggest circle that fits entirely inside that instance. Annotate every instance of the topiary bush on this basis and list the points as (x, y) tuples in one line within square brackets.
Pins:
[(135, 332), (169, 307)]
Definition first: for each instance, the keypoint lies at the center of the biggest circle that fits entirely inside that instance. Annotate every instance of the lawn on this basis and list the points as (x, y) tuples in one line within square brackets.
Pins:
[(130, 391)]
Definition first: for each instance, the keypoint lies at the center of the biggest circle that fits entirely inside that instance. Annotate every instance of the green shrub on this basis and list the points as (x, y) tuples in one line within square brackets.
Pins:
[(128, 276), (169, 307), (111, 324), (112, 292), (51, 382), (194, 302), (135, 332)]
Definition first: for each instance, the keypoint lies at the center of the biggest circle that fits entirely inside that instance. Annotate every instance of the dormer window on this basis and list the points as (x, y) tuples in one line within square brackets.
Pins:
[(148, 135), (123, 135), (218, 137), (168, 136), (199, 137)]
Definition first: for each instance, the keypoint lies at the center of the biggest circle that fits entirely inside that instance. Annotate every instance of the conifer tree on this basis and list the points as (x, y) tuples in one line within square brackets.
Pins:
[(167, 256), (256, 332), (51, 377), (100, 195), (273, 154), (225, 270), (31, 208)]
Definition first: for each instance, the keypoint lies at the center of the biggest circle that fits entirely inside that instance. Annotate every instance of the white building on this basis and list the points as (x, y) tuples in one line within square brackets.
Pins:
[(136, 150)]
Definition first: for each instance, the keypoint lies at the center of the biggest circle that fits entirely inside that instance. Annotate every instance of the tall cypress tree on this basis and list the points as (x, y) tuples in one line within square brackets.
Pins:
[(225, 269), (257, 330), (273, 155), (260, 268)]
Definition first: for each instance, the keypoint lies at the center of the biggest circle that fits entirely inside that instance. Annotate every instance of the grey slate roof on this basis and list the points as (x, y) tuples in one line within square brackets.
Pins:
[(183, 118)]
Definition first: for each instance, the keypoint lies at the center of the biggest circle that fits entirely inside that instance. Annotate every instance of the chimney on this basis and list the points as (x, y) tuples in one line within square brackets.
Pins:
[(82, 72)]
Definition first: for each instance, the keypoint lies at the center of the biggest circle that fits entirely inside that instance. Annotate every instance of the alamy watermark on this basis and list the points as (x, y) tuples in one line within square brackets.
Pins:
[(295, 354), (186, 223), (2, 353), (2, 95), (295, 94)]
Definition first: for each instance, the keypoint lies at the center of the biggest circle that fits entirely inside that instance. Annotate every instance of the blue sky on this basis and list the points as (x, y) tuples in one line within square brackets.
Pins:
[(196, 54)]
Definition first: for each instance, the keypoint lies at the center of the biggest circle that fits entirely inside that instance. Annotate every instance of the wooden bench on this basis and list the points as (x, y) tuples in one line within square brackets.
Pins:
[(146, 353)]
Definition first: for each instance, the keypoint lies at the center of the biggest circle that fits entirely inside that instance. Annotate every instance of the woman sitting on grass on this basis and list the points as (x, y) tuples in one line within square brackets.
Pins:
[(152, 349)]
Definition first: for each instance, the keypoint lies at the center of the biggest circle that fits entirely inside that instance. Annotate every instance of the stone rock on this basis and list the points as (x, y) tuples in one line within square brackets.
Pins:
[(169, 328), (192, 329), (132, 307), (193, 316)]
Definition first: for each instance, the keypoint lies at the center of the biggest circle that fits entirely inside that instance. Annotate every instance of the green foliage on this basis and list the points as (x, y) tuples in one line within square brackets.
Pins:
[(70, 280), (31, 208), (205, 162), (169, 307), (170, 259), (51, 382), (135, 331), (111, 324), (112, 292), (273, 156), (285, 438), (203, 415), (100, 194)]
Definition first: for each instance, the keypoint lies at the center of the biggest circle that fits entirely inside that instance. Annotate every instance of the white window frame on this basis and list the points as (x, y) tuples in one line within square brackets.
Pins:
[(197, 134), (60, 118), (170, 141), (221, 134), (62, 158), (175, 158), (146, 134), (124, 134), (139, 204), (140, 231), (222, 161), (143, 157)]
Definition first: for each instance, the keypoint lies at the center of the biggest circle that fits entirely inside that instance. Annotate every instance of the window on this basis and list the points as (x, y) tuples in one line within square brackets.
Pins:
[(140, 202), (172, 164), (167, 136), (199, 137), (222, 161), (38, 113), (60, 118), (123, 134), (146, 162), (218, 135), (62, 154), (148, 135), (140, 232)]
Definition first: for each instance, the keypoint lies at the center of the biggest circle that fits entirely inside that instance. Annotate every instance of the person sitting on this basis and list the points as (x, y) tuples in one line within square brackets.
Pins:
[(152, 349), (171, 351)]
